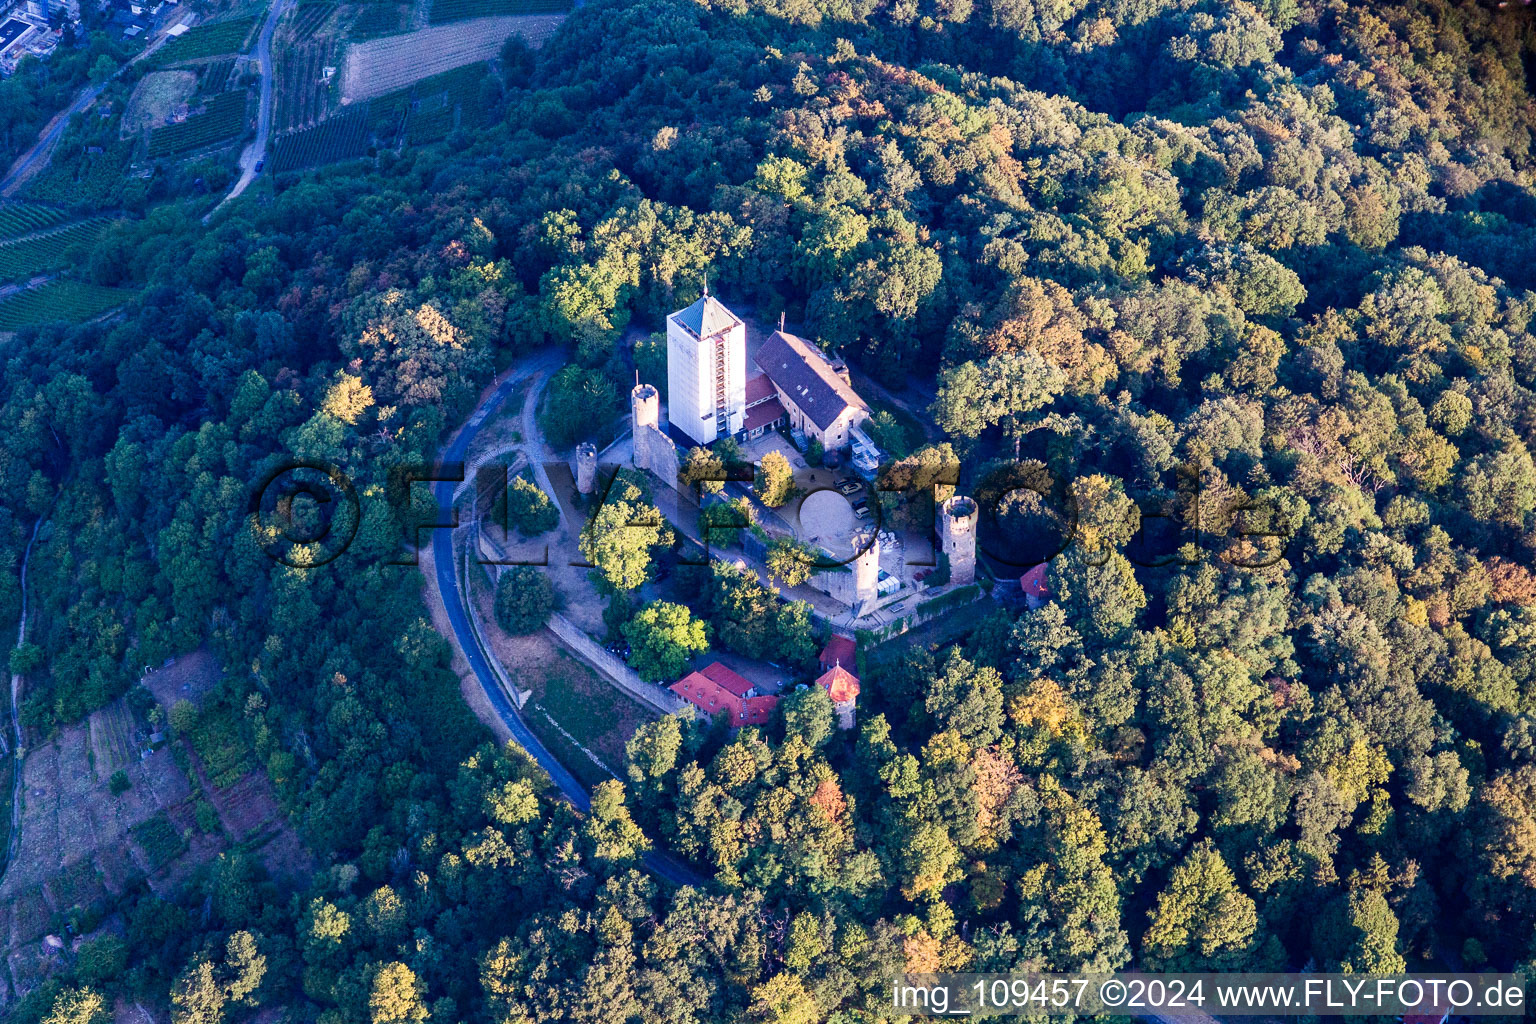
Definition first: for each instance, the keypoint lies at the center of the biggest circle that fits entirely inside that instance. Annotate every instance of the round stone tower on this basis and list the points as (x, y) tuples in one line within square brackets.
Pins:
[(645, 406), (645, 415), (957, 537), (866, 568), (586, 467)]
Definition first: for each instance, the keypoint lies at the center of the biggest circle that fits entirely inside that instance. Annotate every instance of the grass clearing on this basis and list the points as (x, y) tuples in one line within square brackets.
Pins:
[(382, 66), (60, 302), (21, 258), (156, 98)]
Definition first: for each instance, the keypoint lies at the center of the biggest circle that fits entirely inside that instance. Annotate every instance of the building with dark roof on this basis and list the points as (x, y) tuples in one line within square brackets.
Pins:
[(816, 395)]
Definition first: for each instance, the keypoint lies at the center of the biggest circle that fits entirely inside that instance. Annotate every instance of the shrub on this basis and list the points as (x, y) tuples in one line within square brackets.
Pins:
[(524, 600)]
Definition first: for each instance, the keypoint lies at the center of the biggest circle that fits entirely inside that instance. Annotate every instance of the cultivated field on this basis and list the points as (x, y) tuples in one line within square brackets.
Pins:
[(211, 40), (59, 302), (214, 77), (23, 218), (458, 10), (382, 66), (156, 97), (310, 17), (376, 19), (342, 137), (23, 257), (223, 117), (302, 98)]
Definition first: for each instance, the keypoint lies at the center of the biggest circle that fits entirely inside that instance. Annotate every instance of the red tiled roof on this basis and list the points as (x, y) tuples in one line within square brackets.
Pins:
[(710, 690), (719, 673), (759, 389), (840, 684), (756, 710), (1033, 582), (762, 414), (839, 651)]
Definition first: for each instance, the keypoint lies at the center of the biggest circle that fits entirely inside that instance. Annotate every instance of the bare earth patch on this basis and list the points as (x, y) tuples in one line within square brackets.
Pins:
[(156, 98)]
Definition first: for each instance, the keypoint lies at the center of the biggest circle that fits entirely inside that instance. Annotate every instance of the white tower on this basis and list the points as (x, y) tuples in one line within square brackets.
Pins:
[(866, 569), (706, 370)]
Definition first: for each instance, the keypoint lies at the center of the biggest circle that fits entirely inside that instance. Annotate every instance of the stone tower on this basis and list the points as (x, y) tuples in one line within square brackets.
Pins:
[(586, 468), (866, 568), (654, 450), (645, 414), (957, 537)]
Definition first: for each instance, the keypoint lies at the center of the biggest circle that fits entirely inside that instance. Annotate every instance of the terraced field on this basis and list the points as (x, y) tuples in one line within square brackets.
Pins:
[(382, 66), (302, 98), (310, 18), (215, 75), (18, 219), (59, 302), (21, 258), (460, 10), (211, 40), (223, 117), (342, 137)]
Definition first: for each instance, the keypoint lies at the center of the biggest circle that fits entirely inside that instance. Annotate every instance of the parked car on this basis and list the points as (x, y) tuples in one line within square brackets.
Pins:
[(259, 165), (850, 486), (861, 508)]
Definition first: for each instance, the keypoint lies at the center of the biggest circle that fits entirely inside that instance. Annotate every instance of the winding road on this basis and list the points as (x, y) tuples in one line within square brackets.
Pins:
[(661, 865), (256, 152)]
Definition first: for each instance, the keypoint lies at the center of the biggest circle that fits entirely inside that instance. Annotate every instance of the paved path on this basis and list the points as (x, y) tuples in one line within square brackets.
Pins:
[(36, 158), (256, 152), (660, 864)]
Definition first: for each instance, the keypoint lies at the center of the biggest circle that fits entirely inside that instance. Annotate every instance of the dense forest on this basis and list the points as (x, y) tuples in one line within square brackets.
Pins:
[(1231, 261)]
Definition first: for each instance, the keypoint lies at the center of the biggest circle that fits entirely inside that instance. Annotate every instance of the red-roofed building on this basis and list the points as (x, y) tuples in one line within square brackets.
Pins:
[(1036, 591), (840, 650), (732, 681), (843, 687), (764, 410), (716, 690)]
